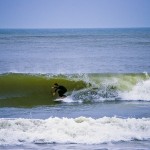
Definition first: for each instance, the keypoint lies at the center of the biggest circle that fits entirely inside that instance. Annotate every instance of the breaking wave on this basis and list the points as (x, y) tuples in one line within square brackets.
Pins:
[(28, 90), (68, 130)]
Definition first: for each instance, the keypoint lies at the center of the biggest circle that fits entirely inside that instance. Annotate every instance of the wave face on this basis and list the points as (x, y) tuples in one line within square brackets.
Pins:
[(27, 90), (31, 90), (78, 130)]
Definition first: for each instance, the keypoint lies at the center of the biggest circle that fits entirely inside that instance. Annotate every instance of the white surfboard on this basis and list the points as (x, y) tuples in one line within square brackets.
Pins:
[(58, 99), (67, 99)]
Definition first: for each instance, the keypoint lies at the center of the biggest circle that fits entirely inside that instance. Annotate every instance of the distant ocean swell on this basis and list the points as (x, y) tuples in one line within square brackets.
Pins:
[(35, 89), (68, 130)]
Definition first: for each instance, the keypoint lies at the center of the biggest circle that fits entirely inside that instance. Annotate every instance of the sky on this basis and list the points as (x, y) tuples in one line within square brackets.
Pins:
[(74, 13)]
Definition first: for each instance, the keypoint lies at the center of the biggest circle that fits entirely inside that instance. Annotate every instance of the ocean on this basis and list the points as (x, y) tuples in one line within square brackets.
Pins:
[(107, 76)]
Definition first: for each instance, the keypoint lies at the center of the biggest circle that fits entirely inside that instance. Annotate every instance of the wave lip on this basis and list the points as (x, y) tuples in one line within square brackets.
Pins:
[(80, 130)]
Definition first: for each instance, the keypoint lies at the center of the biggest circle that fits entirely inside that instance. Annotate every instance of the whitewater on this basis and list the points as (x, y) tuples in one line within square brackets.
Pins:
[(78, 130), (107, 76)]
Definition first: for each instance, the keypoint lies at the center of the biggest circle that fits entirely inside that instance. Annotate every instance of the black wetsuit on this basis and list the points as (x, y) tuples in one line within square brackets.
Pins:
[(61, 90)]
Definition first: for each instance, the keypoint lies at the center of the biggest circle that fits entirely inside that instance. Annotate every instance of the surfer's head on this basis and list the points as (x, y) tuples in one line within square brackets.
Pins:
[(56, 84)]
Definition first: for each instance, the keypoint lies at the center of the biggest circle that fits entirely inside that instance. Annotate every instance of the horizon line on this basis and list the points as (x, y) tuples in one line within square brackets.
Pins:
[(77, 28)]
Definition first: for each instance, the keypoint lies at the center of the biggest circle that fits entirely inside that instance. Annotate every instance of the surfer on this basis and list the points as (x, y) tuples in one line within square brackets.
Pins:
[(60, 89)]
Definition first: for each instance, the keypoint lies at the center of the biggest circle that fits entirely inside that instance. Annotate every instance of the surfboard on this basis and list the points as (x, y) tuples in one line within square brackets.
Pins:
[(58, 100), (66, 99)]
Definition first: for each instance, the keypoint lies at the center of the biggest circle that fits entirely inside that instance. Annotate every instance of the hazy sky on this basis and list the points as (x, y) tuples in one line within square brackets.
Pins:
[(74, 13)]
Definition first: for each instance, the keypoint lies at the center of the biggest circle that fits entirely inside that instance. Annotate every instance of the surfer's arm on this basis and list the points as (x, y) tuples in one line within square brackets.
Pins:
[(54, 90)]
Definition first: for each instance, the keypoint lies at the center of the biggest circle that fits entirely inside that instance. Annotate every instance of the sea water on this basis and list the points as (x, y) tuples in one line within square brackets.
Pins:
[(106, 72)]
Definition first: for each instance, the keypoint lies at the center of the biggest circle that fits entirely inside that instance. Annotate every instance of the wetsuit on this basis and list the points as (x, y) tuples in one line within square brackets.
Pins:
[(61, 90)]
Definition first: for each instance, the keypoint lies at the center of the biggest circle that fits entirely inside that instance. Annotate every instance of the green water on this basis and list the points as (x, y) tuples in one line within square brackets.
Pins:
[(28, 90)]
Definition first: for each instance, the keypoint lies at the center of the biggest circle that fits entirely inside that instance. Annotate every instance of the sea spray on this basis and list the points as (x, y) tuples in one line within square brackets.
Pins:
[(141, 91)]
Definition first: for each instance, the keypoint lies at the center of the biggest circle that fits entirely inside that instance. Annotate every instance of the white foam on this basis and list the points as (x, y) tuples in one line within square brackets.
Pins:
[(140, 91), (78, 130)]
